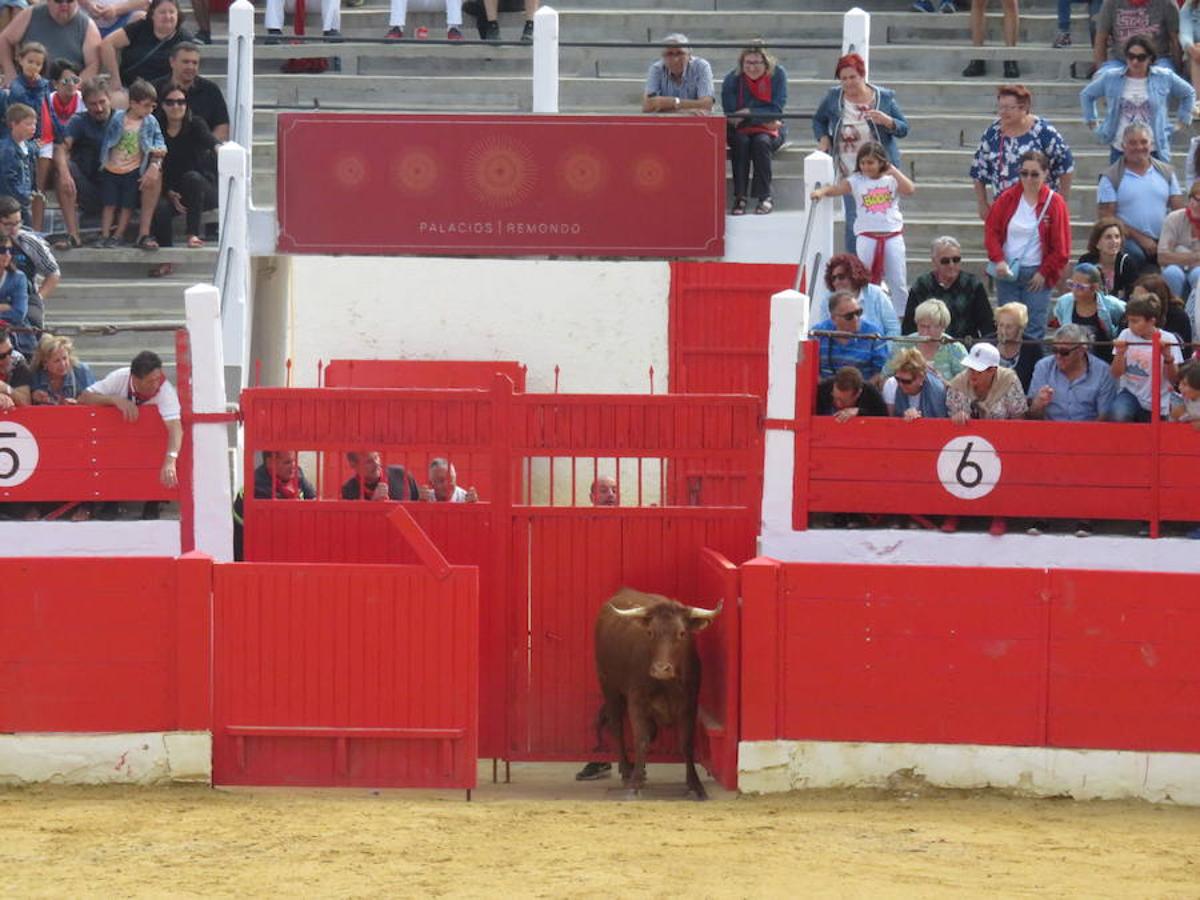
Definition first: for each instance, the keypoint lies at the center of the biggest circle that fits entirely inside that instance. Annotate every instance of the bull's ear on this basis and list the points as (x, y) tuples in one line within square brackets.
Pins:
[(698, 624)]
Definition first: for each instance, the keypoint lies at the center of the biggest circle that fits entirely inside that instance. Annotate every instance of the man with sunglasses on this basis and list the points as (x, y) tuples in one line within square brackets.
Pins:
[(62, 28), (32, 256), (679, 82), (16, 378), (1071, 384), (963, 293), (867, 354)]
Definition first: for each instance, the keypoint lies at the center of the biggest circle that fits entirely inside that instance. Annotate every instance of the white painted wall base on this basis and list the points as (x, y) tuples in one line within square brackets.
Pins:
[(154, 757), (1020, 551), (766, 767), (94, 538)]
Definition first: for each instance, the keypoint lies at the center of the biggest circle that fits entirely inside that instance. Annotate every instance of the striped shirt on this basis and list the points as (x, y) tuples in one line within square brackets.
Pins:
[(867, 355)]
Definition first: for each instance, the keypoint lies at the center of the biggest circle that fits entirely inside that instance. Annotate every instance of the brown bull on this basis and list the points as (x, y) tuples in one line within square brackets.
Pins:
[(647, 664)]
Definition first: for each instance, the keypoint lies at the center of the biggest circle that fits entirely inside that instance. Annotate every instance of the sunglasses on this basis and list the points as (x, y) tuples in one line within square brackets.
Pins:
[(6, 251), (950, 260), (909, 380), (7, 353), (1132, 57), (853, 314), (1065, 351), (674, 53), (1080, 285), (179, 102), (1031, 173)]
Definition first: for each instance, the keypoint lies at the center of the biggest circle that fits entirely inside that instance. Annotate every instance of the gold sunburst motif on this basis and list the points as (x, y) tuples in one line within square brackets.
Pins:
[(649, 174), (583, 171), (415, 171), (500, 172), (350, 171)]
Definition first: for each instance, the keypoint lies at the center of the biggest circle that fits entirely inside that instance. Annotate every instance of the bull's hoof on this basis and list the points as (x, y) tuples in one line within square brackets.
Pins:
[(698, 795)]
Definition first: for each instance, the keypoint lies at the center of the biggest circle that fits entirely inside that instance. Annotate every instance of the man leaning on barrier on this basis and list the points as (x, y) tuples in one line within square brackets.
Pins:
[(278, 477), (368, 483), (679, 82), (867, 354), (143, 383), (443, 485), (1071, 384), (846, 395)]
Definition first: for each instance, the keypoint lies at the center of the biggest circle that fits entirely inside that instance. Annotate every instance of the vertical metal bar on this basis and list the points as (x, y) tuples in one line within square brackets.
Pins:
[(1157, 367)]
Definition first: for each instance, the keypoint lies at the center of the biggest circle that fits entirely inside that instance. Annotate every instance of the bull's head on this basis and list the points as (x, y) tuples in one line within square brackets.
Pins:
[(669, 627)]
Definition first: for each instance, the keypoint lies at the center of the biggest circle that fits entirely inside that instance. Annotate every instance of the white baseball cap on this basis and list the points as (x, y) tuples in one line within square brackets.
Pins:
[(982, 356)]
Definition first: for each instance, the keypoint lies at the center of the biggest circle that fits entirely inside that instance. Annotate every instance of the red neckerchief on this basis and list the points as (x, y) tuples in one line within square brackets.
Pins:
[(138, 397), (1195, 223), (760, 87), (64, 111)]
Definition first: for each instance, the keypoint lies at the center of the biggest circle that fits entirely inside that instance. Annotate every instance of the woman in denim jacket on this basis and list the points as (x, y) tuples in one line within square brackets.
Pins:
[(853, 112), (1122, 109)]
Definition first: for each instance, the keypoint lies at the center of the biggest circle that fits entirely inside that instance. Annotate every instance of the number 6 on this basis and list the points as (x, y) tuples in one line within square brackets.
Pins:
[(964, 464)]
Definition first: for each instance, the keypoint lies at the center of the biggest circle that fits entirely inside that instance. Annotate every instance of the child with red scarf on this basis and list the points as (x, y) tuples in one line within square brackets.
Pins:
[(753, 96)]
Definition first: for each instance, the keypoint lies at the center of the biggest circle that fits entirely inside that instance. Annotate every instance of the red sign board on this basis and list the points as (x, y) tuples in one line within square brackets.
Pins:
[(501, 185)]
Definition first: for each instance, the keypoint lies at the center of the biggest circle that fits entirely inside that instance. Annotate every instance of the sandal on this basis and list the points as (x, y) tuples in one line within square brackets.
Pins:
[(68, 242), (146, 242), (765, 205), (162, 270), (739, 207), (195, 241)]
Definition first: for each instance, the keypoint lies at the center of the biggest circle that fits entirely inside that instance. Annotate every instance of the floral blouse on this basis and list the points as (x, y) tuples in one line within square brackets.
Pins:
[(998, 157)]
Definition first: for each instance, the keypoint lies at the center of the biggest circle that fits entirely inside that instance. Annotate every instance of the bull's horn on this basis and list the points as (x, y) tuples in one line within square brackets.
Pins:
[(696, 612), (637, 612)]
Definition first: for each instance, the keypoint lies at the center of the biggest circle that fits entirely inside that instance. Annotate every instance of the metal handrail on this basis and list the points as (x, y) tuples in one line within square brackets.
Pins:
[(238, 108), (297, 40), (808, 226)]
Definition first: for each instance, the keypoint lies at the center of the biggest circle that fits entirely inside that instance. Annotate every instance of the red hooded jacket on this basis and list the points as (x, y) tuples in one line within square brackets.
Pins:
[(1054, 230)]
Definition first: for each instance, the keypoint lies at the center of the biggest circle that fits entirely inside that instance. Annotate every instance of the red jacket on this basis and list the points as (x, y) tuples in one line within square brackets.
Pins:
[(1055, 230)]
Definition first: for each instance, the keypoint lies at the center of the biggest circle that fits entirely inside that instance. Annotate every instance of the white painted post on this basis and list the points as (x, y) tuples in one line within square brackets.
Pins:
[(212, 517), (818, 170), (239, 81), (545, 61), (856, 34), (233, 260), (789, 325)]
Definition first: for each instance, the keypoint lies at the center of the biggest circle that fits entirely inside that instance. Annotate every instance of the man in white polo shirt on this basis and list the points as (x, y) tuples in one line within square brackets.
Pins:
[(143, 383)]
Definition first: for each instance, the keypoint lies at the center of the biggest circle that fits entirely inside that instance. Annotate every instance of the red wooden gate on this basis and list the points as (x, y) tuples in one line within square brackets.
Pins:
[(345, 675)]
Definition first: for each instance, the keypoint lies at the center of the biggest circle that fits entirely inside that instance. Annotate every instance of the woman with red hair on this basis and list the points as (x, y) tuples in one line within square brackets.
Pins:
[(853, 113), (846, 272)]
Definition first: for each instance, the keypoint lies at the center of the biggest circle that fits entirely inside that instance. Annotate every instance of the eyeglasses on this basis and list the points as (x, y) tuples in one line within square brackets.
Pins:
[(70, 79), (178, 102), (753, 62), (852, 314), (1137, 57), (950, 260), (1065, 351), (674, 53), (1007, 108), (909, 380), (1080, 285), (1031, 173)]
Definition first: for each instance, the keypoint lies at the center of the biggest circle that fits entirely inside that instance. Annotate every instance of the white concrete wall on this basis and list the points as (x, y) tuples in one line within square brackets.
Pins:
[(154, 757), (94, 538), (775, 766), (603, 323)]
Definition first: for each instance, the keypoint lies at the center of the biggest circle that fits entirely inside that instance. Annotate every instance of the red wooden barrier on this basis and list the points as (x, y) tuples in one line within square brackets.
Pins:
[(62, 453), (345, 676), (1044, 470), (986, 656), (105, 645), (720, 660)]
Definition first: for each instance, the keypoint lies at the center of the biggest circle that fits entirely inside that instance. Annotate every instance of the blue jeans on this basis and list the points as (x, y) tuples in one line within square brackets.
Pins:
[(1036, 302), (1126, 408), (1064, 15), (1181, 281), (1136, 254)]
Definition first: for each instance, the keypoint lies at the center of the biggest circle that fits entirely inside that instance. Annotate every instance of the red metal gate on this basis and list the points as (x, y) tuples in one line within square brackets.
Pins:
[(689, 475), (345, 675)]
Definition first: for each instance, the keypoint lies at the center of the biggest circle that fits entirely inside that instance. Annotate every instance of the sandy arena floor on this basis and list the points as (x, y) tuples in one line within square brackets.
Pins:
[(545, 835)]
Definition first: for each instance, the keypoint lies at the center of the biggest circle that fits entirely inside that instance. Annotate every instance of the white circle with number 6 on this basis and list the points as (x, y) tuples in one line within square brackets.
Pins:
[(18, 454), (969, 467)]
